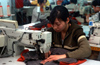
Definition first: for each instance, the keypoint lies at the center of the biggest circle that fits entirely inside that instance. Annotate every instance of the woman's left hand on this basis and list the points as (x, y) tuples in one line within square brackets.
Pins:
[(53, 57)]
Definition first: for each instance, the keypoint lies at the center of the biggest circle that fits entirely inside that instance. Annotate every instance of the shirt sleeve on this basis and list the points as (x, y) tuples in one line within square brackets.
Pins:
[(34, 15), (84, 49)]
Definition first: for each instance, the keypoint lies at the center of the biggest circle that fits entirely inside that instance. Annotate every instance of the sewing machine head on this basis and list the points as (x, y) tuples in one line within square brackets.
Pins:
[(94, 25), (84, 10), (15, 39)]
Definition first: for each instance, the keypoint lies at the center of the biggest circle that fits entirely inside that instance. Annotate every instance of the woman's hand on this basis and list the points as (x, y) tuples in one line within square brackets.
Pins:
[(87, 18), (53, 57)]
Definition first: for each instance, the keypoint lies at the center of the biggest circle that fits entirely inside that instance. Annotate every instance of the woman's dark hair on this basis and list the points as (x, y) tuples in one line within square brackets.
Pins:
[(41, 1), (96, 3), (59, 12)]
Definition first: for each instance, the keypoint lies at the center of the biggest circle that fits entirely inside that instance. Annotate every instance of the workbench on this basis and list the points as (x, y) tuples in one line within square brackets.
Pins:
[(13, 61)]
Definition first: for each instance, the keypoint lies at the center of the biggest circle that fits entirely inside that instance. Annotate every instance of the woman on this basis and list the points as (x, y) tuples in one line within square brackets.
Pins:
[(66, 34), (39, 15)]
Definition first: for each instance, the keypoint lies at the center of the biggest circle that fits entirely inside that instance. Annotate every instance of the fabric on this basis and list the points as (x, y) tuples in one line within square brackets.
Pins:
[(19, 3), (39, 26), (72, 7), (22, 58), (71, 42), (75, 20), (32, 58), (21, 18), (77, 63)]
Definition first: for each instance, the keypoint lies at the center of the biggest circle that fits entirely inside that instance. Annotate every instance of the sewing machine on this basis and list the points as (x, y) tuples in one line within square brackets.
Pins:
[(92, 32), (77, 8), (14, 40), (94, 25)]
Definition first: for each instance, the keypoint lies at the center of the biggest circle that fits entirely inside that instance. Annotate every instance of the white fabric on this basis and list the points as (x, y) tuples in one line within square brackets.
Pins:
[(72, 7)]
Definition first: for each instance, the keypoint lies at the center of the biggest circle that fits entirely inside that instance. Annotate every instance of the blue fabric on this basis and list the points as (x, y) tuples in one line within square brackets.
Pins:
[(86, 30)]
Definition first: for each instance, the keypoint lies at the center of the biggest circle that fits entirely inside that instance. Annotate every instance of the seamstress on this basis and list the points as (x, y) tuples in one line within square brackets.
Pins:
[(41, 15), (96, 7), (72, 6), (66, 34)]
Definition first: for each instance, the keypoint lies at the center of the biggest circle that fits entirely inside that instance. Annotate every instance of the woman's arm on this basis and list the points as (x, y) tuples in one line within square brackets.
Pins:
[(84, 49)]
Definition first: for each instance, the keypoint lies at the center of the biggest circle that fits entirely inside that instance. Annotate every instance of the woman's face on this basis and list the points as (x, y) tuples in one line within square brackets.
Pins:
[(42, 4), (94, 8), (59, 25)]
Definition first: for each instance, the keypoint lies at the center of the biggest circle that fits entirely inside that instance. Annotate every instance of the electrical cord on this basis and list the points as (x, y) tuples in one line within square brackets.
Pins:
[(5, 43), (3, 56)]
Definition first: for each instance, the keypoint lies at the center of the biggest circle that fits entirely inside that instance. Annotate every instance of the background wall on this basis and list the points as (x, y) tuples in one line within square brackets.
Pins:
[(50, 1)]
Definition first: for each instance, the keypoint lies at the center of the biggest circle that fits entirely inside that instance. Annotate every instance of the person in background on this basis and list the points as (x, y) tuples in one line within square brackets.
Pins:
[(72, 6), (35, 2), (84, 10), (67, 35), (96, 8), (28, 10), (41, 15), (96, 5), (65, 2), (59, 2), (47, 3)]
